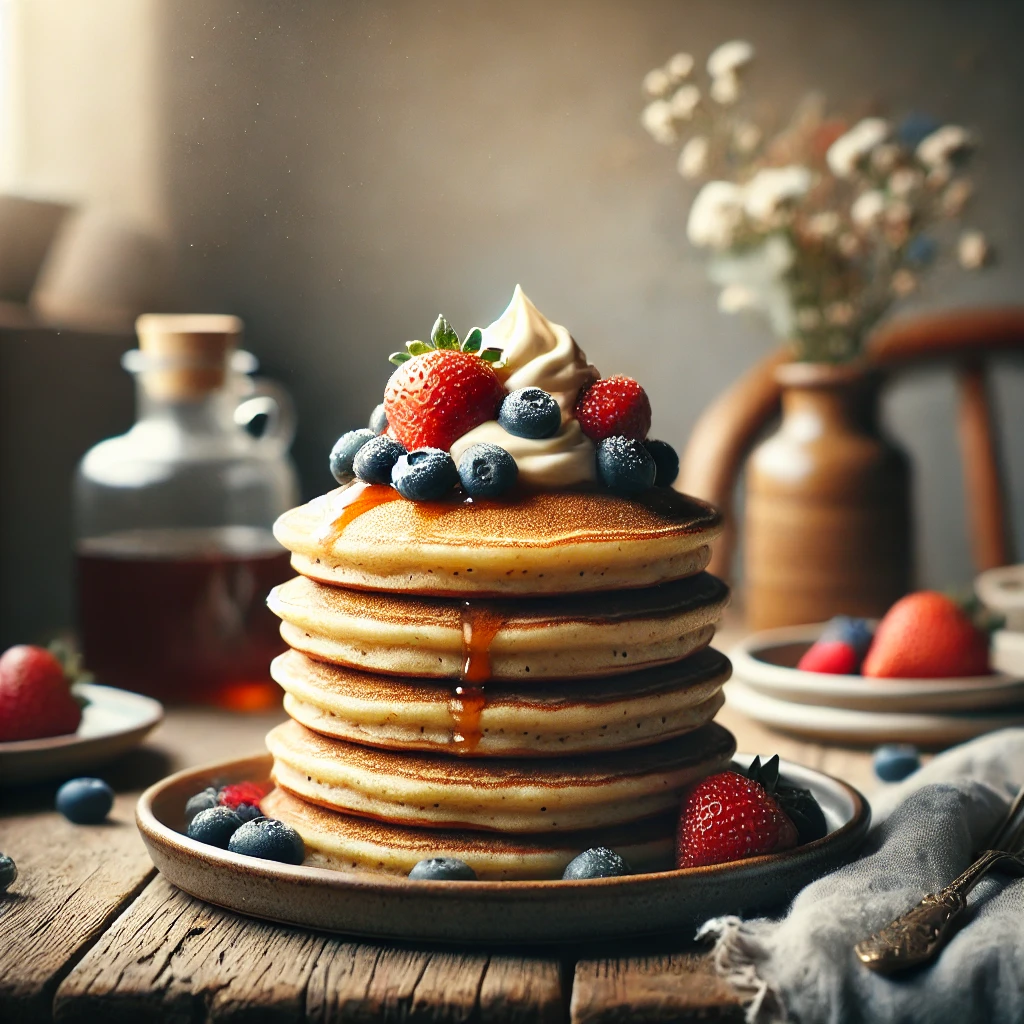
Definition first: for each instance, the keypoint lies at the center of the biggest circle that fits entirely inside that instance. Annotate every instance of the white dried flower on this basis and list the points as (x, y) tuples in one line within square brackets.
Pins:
[(942, 144), (679, 66), (848, 244), (808, 318), (734, 298), (773, 188), (867, 208), (693, 160), (657, 82), (824, 224), (839, 314), (939, 177), (884, 157), (954, 199), (725, 89), (684, 102), (746, 137), (903, 282), (904, 181), (657, 119), (847, 152), (716, 215), (972, 250), (728, 58)]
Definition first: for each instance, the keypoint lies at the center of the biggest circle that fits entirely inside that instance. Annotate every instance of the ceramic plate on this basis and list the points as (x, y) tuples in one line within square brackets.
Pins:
[(114, 721), (766, 662), (385, 906), (867, 728)]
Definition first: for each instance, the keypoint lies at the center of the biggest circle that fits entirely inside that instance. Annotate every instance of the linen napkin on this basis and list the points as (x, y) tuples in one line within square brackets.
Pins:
[(925, 830)]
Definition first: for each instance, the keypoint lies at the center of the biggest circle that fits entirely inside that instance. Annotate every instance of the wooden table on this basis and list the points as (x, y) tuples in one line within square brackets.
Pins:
[(90, 931)]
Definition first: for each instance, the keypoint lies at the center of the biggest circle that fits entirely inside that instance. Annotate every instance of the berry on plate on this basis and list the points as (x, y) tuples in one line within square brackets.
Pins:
[(614, 405), (487, 471), (840, 648), (345, 450), (625, 466), (728, 817), (214, 826), (599, 862), (378, 419), (424, 474), (893, 762), (248, 812), (35, 695), (376, 459), (268, 839), (442, 390), (927, 635), (530, 412), (666, 462), (8, 872), (797, 804), (443, 869), (201, 801), (241, 793), (85, 801)]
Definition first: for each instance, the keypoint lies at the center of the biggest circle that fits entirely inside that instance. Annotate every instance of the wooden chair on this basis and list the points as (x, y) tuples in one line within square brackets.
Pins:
[(729, 427)]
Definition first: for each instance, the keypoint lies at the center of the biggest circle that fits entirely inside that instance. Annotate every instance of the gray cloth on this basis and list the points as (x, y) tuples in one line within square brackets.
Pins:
[(802, 967)]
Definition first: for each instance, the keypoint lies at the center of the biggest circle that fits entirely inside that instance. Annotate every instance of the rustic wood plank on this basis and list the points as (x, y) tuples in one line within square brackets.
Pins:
[(176, 957), (676, 987)]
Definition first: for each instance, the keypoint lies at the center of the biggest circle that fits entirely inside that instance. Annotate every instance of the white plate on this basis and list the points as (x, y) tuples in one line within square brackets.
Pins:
[(1002, 590), (114, 721), (1008, 651), (866, 728), (766, 662)]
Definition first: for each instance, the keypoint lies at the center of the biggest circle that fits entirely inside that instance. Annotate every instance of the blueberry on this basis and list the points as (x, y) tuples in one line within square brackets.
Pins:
[(599, 862), (8, 872), (345, 449), (487, 470), (214, 826), (530, 412), (425, 474), (200, 802), (375, 460), (379, 420), (85, 801), (856, 633), (666, 462), (624, 465), (443, 869), (893, 762), (248, 812), (269, 839)]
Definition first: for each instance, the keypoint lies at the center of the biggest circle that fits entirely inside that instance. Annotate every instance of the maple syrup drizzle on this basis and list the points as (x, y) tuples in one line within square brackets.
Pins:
[(356, 499), (480, 625)]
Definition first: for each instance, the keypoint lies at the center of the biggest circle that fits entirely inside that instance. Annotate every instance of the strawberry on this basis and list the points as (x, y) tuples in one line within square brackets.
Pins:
[(241, 793), (441, 389), (35, 696), (729, 817), (614, 406), (927, 636), (840, 649)]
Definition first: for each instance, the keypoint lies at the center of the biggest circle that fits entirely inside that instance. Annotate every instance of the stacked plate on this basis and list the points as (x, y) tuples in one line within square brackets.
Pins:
[(769, 688)]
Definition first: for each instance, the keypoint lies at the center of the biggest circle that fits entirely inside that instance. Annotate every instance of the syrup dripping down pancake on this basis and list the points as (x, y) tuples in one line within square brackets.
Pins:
[(580, 635), (548, 542), (584, 716), (503, 794)]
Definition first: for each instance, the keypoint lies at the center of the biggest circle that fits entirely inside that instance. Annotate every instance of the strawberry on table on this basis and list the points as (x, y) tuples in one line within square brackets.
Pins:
[(614, 406), (840, 649), (35, 695), (927, 635)]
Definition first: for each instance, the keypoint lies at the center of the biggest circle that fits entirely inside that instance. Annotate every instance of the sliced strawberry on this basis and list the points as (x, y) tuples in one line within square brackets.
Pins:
[(241, 793), (832, 656), (614, 406), (35, 696)]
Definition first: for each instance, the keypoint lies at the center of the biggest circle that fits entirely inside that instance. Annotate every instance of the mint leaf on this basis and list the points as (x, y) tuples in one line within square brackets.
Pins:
[(473, 341), (443, 334), (399, 357)]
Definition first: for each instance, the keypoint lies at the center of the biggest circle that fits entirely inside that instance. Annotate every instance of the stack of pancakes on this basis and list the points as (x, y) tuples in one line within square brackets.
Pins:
[(508, 683)]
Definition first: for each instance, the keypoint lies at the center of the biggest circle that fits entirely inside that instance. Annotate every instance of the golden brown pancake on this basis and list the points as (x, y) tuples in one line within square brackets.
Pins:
[(579, 635), (499, 720), (548, 542), (345, 843), (501, 794)]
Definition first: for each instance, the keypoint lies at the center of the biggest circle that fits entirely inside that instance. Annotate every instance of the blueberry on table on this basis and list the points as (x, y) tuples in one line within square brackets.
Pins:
[(666, 462), (200, 802), (345, 449), (893, 762), (487, 471), (443, 869), (379, 420), (625, 466), (215, 826), (376, 458), (424, 474), (599, 862), (85, 801), (530, 412), (8, 872), (269, 839)]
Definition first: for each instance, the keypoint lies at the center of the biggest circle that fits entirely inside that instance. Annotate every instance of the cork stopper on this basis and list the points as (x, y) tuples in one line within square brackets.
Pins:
[(186, 356)]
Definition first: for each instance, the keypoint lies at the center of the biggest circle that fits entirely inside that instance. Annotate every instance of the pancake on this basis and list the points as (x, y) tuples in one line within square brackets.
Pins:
[(505, 795), (587, 716), (344, 842), (548, 542), (527, 639)]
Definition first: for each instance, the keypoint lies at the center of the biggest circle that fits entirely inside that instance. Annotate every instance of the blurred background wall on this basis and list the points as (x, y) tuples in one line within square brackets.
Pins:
[(337, 173)]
